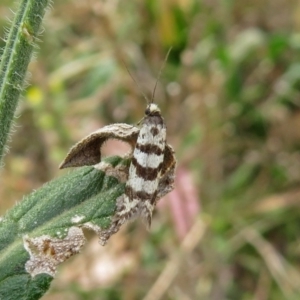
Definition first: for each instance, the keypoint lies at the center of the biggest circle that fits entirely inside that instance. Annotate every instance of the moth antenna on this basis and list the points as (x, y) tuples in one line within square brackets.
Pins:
[(159, 74), (139, 87)]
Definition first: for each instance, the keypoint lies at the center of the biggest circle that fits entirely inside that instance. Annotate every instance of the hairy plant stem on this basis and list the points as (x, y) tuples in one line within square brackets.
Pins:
[(19, 47)]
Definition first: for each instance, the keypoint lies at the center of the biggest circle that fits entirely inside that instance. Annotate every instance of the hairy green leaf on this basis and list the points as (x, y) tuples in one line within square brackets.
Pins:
[(84, 197)]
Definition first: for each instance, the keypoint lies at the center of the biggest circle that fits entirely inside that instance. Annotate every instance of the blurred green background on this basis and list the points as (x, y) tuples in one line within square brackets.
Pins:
[(230, 96)]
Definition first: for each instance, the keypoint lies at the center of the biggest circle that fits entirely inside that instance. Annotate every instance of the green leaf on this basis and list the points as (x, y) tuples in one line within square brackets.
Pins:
[(84, 197)]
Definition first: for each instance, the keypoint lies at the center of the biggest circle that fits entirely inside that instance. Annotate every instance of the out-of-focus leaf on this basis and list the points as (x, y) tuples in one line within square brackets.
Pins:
[(242, 177)]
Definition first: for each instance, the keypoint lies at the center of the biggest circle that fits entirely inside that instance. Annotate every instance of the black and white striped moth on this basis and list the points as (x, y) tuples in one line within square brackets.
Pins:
[(151, 173), (146, 166)]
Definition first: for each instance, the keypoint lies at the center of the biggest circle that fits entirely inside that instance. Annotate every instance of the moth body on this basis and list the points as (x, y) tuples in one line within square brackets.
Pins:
[(146, 165)]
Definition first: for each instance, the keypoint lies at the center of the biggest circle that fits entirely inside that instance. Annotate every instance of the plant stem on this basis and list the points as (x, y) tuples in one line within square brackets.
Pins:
[(15, 59)]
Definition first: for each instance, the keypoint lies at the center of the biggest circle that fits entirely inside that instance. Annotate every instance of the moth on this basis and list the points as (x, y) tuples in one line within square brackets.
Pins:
[(151, 172), (149, 163), (146, 166)]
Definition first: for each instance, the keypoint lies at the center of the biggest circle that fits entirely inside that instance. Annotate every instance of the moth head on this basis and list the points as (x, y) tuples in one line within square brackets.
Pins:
[(152, 109)]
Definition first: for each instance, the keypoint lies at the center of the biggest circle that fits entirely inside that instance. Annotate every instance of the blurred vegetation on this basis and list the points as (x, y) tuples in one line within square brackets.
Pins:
[(230, 95)]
